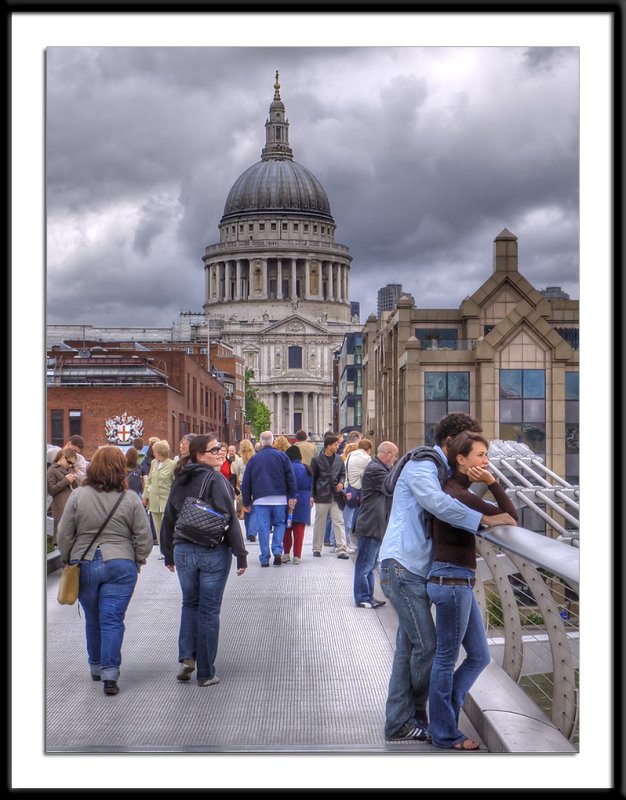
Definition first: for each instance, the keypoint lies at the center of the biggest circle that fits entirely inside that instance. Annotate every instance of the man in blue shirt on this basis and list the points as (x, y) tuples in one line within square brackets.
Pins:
[(405, 558), (269, 483)]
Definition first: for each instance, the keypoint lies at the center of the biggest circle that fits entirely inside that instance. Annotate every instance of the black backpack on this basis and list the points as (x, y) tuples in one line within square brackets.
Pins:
[(417, 454), (134, 480)]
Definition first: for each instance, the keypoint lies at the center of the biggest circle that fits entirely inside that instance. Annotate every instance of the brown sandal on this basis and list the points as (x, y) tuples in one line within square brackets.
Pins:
[(466, 744)]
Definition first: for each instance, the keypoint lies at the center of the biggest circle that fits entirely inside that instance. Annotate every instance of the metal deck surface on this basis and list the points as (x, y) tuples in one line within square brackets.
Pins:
[(301, 668)]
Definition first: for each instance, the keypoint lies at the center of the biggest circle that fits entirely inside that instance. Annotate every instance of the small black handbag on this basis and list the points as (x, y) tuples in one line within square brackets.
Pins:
[(198, 522)]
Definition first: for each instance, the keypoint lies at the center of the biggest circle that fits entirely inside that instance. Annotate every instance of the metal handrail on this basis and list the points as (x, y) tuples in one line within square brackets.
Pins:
[(544, 652)]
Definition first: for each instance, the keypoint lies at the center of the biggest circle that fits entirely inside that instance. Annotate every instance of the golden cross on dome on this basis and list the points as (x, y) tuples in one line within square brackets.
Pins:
[(277, 88)]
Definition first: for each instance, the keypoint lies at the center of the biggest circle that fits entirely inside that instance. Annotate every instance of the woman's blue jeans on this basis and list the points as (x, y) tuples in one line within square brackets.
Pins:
[(415, 646), (202, 573), (458, 622), (364, 567), (105, 591)]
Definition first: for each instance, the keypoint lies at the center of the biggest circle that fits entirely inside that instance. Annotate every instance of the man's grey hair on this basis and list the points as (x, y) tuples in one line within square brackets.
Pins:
[(386, 447), (267, 438)]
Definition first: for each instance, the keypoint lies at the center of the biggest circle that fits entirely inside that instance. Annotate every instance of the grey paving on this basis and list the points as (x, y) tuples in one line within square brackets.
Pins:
[(302, 669)]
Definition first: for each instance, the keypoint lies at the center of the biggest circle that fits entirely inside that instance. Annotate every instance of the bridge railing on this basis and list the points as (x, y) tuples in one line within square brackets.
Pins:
[(527, 588)]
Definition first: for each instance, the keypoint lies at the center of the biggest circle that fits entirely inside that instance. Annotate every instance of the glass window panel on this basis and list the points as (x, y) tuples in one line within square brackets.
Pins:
[(530, 520), (572, 441), (295, 357), (435, 410), (511, 432), (458, 386), (572, 386), (429, 435), (535, 437), (458, 405), (510, 410), (534, 383), (572, 468), (534, 411), (510, 383), (435, 386), (572, 411)]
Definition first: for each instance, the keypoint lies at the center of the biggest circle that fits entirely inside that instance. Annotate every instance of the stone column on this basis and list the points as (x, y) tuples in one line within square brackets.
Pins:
[(279, 411), (279, 278), (307, 280), (291, 410), (305, 411), (316, 412), (331, 280), (264, 278), (238, 280), (227, 280), (293, 279)]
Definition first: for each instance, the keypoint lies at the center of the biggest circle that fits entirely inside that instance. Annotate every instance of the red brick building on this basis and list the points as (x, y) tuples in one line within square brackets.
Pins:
[(167, 392)]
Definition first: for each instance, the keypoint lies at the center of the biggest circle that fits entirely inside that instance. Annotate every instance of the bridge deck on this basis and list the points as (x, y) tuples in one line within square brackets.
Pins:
[(302, 669)]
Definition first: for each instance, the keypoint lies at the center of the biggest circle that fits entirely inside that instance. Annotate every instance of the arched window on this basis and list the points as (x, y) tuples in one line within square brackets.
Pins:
[(295, 357)]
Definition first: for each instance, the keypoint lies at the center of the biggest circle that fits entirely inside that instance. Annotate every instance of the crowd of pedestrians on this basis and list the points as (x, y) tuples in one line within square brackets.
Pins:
[(413, 519)]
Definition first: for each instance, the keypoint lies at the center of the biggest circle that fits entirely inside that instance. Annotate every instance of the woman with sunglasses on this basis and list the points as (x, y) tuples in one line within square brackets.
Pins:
[(202, 571)]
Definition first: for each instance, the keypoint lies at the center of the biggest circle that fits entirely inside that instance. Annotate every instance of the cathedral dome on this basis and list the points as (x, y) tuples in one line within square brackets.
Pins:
[(277, 185)]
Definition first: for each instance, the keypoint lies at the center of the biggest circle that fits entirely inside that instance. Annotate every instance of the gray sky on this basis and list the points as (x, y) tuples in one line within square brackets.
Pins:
[(425, 154)]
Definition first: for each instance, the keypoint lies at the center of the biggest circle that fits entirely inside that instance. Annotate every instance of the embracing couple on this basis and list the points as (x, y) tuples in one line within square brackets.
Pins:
[(428, 555)]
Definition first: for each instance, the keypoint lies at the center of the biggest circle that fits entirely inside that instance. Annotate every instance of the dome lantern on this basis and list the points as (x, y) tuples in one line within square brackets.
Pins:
[(276, 129)]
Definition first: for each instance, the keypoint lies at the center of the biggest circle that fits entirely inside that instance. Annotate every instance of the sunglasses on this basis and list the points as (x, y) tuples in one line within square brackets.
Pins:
[(214, 450)]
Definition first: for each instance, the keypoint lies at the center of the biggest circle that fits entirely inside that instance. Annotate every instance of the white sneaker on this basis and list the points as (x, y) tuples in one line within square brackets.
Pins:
[(296, 560), (333, 549), (209, 681), (285, 558)]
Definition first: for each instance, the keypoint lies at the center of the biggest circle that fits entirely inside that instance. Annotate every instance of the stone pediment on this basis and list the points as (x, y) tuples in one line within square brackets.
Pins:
[(524, 315), (295, 325), (492, 287)]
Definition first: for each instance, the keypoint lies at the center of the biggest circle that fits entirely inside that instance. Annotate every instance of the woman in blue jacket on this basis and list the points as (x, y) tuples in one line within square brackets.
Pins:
[(302, 511)]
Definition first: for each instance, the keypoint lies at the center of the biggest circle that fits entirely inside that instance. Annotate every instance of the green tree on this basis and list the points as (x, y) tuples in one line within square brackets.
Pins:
[(257, 413), (262, 419)]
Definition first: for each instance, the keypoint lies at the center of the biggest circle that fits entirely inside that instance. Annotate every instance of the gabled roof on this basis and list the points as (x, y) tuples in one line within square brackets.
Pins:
[(294, 324), (471, 306), (523, 315)]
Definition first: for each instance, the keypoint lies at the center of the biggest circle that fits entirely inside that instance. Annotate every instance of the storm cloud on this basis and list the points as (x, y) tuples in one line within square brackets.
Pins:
[(425, 154)]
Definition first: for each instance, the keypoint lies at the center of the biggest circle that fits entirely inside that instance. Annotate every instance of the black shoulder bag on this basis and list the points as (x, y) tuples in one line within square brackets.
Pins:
[(198, 522)]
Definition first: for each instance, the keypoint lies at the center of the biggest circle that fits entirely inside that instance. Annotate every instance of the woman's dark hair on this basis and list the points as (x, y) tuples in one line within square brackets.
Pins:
[(107, 470), (462, 445), (453, 424), (198, 445), (132, 458)]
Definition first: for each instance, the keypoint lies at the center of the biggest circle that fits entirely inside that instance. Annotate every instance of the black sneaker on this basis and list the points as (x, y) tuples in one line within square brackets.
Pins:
[(343, 555), (317, 554), (376, 603), (278, 561), (265, 565), (410, 733), (110, 687)]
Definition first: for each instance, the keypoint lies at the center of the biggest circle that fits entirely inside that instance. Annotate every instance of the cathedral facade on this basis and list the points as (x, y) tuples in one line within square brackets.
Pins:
[(277, 283)]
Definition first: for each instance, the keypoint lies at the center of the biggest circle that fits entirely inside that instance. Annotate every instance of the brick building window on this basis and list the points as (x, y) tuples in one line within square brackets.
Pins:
[(572, 427), (444, 392), (56, 428), (76, 423), (523, 407), (195, 394)]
